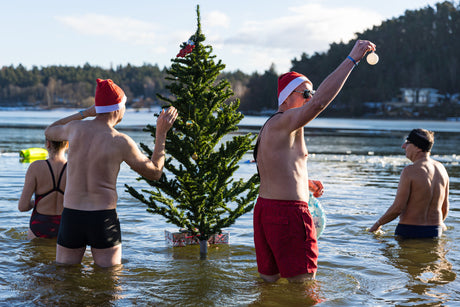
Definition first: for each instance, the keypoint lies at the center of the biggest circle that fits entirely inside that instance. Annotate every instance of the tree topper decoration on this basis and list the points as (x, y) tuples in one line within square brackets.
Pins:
[(186, 49)]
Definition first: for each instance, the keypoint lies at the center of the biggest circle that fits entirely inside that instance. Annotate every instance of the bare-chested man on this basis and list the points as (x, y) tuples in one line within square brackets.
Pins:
[(96, 151), (422, 199), (284, 233)]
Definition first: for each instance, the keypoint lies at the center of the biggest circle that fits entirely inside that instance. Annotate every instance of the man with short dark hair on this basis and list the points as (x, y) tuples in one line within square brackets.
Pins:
[(422, 199)]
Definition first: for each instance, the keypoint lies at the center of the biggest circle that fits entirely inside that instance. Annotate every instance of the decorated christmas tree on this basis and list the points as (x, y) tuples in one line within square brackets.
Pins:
[(197, 191)]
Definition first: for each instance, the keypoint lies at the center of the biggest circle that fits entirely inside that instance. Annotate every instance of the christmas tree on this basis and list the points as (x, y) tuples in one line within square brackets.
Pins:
[(198, 192)]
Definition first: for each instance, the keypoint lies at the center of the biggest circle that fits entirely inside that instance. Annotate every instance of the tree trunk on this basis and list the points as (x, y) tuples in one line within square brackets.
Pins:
[(203, 249)]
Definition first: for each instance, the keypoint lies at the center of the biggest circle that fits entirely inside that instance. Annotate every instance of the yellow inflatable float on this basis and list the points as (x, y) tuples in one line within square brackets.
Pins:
[(32, 154)]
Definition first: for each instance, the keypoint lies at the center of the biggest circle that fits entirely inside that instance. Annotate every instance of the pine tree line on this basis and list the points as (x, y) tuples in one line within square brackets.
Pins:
[(417, 50), (68, 86)]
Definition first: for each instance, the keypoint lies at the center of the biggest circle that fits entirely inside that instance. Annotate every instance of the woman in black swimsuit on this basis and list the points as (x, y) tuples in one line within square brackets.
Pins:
[(49, 193)]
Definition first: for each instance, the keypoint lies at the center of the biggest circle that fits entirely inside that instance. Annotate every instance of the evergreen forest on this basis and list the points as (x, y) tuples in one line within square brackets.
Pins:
[(417, 50)]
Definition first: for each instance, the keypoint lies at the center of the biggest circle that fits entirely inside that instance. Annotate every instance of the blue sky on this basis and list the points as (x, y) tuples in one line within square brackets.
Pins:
[(247, 35)]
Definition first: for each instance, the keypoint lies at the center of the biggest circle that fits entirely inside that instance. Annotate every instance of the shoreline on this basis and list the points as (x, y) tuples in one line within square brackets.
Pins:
[(243, 129), (135, 120)]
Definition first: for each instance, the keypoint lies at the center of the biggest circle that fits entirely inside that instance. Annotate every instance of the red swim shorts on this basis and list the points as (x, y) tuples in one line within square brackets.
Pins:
[(285, 238)]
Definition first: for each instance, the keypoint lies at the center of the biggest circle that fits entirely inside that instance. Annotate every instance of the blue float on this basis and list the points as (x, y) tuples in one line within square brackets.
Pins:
[(318, 215)]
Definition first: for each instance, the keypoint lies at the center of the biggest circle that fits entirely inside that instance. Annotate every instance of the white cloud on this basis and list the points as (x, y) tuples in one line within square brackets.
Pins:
[(249, 45), (306, 28), (216, 19), (127, 30), (123, 29)]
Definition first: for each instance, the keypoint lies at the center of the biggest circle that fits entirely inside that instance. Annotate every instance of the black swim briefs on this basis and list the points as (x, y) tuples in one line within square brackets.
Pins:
[(416, 231), (98, 229)]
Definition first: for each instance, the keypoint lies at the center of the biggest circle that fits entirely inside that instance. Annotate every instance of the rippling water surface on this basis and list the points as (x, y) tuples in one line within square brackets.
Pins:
[(360, 168)]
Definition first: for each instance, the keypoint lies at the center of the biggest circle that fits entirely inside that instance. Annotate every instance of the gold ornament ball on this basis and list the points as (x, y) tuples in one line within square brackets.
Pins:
[(194, 156), (189, 123)]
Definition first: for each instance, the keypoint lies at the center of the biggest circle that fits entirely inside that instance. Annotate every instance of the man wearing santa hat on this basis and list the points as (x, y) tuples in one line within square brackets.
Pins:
[(284, 233), (96, 150)]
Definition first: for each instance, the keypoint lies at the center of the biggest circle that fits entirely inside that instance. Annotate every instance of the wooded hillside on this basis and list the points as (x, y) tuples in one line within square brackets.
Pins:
[(419, 49)]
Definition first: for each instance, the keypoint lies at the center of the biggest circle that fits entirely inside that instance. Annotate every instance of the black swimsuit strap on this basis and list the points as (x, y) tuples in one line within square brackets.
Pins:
[(55, 187), (52, 174)]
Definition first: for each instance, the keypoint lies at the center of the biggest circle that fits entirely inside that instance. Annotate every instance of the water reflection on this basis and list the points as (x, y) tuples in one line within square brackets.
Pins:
[(42, 281), (354, 269), (283, 293), (38, 251), (424, 263), (223, 279)]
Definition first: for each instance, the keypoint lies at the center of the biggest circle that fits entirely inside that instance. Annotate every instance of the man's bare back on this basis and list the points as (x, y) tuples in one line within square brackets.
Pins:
[(429, 180), (96, 151), (422, 198), (95, 155)]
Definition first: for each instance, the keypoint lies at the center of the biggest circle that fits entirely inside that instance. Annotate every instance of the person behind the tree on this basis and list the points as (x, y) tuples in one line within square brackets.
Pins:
[(284, 233), (96, 151)]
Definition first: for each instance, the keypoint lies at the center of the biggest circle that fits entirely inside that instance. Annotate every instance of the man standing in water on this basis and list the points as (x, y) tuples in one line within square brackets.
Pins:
[(96, 151), (422, 199), (284, 233)]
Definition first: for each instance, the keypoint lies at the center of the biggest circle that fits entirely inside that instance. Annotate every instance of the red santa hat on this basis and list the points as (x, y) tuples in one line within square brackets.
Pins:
[(287, 83), (109, 96)]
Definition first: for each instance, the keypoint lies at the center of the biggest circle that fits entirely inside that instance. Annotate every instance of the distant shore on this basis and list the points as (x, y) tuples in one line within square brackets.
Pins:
[(137, 120)]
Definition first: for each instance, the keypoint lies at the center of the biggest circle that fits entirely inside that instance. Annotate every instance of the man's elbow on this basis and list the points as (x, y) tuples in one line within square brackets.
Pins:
[(155, 175), (395, 210), (48, 133)]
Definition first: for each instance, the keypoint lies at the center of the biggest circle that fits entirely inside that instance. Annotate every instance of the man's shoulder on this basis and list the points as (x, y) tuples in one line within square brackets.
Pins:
[(436, 163), (420, 168), (277, 124), (410, 170), (121, 135), (440, 167), (76, 126), (122, 139)]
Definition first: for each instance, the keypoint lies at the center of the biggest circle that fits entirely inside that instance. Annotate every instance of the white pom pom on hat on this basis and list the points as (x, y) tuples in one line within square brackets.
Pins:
[(287, 83), (109, 96)]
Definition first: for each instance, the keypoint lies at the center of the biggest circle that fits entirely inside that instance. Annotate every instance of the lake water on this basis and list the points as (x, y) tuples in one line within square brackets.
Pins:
[(359, 163)]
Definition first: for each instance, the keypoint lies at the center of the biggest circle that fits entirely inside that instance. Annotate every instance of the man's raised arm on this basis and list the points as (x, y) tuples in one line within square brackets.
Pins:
[(57, 132)]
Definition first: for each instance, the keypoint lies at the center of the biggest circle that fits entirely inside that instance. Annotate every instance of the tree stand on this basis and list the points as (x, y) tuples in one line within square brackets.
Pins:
[(203, 249)]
